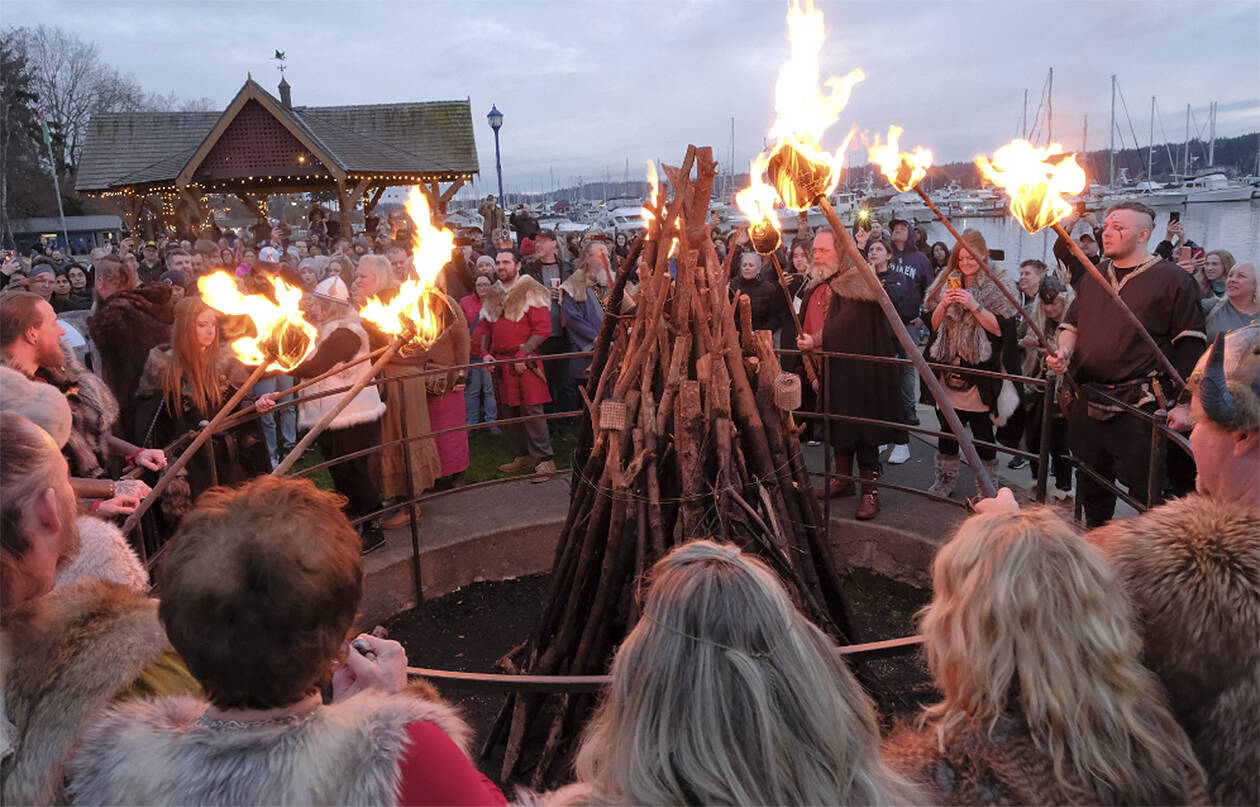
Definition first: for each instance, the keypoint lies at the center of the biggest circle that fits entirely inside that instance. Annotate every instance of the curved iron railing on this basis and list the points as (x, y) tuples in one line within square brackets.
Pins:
[(901, 646)]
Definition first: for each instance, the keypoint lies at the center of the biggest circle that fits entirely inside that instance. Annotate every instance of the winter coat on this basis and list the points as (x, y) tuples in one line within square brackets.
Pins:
[(97, 641), (349, 752), (1192, 570), (765, 299), (93, 411), (104, 554), (124, 329), (240, 453)]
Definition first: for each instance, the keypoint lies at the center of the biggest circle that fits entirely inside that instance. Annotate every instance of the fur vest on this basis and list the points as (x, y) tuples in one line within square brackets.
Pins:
[(104, 554), (999, 765), (343, 753), (526, 293), (93, 412), (1192, 569), (852, 283), (366, 406), (578, 285), (95, 641)]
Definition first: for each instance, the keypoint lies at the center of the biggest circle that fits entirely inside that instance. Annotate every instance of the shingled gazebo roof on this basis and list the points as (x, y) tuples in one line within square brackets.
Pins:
[(261, 144)]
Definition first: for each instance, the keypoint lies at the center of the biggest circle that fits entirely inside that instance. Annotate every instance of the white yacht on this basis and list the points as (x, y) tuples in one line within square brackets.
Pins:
[(1215, 187)]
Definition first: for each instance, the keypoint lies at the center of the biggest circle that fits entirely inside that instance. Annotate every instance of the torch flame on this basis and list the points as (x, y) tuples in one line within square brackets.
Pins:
[(904, 170), (649, 212), (1035, 181), (282, 336), (756, 202), (798, 167), (414, 312)]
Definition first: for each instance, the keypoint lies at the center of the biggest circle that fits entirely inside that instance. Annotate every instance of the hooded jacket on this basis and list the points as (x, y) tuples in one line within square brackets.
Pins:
[(915, 267)]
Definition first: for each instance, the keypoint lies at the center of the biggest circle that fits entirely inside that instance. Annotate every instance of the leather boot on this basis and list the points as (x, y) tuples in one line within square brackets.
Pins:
[(868, 507), (946, 475), (839, 487)]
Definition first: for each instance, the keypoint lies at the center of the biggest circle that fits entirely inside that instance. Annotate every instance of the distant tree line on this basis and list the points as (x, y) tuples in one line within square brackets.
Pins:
[(50, 68)]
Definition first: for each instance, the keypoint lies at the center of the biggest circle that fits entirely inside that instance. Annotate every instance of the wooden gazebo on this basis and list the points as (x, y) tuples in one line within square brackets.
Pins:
[(167, 162)]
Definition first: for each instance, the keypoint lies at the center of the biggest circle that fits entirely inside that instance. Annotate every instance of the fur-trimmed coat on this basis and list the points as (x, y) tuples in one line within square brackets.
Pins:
[(124, 329), (92, 643), (240, 453), (508, 319), (1192, 569), (347, 752), (962, 340), (998, 765), (93, 412)]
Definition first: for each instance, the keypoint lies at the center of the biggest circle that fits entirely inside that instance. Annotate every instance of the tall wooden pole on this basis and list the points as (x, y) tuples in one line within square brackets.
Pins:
[(911, 349)]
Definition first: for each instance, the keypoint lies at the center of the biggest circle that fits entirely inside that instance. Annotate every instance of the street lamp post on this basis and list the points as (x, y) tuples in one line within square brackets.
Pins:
[(495, 117)]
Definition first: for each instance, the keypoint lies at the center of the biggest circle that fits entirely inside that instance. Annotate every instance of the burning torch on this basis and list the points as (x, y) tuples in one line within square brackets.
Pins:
[(1036, 178), (282, 340)]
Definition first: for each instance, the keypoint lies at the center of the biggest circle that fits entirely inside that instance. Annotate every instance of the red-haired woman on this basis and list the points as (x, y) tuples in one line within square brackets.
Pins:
[(185, 383)]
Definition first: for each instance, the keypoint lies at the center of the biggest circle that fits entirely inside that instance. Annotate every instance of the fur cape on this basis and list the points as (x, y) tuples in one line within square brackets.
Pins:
[(849, 282), (578, 284), (1192, 569), (526, 293), (998, 764), (124, 329), (94, 641), (344, 753)]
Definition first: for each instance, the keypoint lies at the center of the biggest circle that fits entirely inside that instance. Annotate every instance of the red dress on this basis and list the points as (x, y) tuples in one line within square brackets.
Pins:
[(434, 771), (505, 338)]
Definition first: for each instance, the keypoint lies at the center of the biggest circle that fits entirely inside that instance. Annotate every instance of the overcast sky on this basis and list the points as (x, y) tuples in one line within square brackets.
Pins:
[(584, 86)]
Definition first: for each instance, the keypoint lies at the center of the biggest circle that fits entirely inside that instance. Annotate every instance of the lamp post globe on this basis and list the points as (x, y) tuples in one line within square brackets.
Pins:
[(495, 118)]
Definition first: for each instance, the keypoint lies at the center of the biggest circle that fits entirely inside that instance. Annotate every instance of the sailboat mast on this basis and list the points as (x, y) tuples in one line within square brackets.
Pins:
[(1111, 181), (1023, 121), (1150, 151), (1212, 137), (1050, 107), (1185, 151)]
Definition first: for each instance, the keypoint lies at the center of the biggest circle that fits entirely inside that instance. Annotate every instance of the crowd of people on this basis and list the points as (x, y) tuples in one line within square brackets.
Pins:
[(1121, 666)]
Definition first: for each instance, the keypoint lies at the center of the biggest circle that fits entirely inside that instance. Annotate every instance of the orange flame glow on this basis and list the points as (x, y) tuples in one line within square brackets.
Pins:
[(282, 336), (1035, 180), (414, 312), (904, 170), (649, 212), (798, 167), (756, 202)]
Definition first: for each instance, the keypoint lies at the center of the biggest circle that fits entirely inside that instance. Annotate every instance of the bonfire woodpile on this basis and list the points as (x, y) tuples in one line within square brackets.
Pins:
[(685, 436)]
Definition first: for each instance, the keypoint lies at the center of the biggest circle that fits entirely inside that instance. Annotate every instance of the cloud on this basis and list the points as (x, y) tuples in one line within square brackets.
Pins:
[(585, 86)]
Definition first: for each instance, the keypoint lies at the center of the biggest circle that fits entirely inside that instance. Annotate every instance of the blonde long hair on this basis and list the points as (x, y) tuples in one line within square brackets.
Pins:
[(192, 363), (1026, 615), (724, 694)]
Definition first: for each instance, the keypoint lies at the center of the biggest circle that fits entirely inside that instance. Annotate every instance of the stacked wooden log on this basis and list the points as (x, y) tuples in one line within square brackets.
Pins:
[(682, 439)]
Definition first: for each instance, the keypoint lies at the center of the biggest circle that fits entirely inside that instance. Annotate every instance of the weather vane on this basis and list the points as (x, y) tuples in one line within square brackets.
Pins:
[(279, 57)]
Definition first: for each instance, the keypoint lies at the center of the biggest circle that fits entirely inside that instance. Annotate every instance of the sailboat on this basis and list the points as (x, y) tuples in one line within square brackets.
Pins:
[(1211, 185)]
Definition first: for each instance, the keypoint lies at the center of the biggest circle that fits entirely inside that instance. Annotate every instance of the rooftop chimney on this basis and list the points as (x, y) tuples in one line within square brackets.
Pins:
[(286, 97)]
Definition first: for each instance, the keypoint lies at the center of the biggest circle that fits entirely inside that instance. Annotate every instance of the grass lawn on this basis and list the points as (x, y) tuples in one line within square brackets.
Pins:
[(486, 452)]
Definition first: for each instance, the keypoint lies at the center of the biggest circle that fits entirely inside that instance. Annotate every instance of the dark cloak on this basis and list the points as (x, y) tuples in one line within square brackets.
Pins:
[(860, 388)]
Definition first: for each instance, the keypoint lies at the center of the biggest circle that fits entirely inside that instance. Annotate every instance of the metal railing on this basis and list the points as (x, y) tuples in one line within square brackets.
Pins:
[(493, 682)]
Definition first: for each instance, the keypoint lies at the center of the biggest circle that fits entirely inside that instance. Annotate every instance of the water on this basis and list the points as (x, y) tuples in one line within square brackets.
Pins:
[(1232, 226)]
